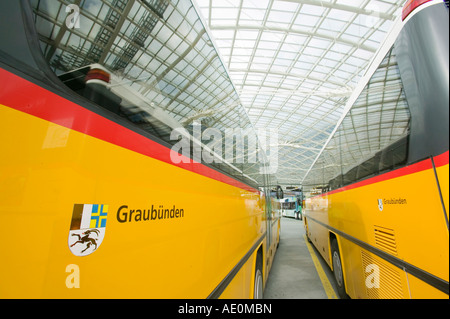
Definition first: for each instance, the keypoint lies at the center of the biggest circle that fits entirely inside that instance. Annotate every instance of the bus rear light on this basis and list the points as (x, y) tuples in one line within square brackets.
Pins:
[(98, 74), (410, 6)]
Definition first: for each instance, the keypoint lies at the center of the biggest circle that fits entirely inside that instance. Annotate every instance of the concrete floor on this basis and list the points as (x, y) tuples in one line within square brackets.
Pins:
[(293, 274)]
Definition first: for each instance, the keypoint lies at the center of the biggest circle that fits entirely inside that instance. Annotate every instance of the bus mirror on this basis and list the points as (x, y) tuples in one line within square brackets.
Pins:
[(280, 193)]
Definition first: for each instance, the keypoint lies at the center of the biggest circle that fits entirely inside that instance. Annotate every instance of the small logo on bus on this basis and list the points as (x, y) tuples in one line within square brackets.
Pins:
[(87, 228)]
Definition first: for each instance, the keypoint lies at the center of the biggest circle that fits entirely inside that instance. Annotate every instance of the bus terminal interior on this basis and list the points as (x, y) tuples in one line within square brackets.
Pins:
[(275, 149)]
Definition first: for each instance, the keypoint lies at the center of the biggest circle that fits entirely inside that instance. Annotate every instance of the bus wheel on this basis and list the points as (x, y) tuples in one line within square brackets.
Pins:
[(278, 234), (337, 269), (258, 291)]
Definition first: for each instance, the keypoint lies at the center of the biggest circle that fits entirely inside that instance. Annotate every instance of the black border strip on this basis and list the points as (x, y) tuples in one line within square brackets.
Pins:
[(215, 294), (423, 275)]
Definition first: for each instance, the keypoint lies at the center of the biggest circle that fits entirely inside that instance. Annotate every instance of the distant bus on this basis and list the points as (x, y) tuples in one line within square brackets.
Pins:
[(291, 207), (377, 196)]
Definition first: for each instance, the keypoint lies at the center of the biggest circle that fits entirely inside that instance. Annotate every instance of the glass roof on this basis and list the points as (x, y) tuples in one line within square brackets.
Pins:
[(282, 66), (295, 63), (379, 117)]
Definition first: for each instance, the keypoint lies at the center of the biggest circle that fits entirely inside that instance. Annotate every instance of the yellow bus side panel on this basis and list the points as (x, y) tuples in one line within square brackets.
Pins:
[(443, 175), (45, 169), (409, 225), (245, 275), (319, 236)]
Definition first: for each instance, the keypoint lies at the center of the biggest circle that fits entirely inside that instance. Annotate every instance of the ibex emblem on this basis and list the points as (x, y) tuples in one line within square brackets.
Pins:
[(87, 228), (85, 238)]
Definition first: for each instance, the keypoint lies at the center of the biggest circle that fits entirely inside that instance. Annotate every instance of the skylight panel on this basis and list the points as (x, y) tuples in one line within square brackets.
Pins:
[(259, 67), (380, 6), (285, 55), (247, 35), (279, 68), (225, 13), (351, 38), (315, 53), (266, 53), (224, 34), (307, 20), (280, 16), (252, 15), (224, 43), (242, 53), (362, 54), (295, 40), (269, 113), (272, 36), (313, 10), (355, 61), (261, 60), (244, 43), (357, 30), (270, 45)]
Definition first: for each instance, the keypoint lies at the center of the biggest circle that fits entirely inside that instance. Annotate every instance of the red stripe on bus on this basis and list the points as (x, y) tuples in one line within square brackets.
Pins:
[(32, 99), (404, 171), (441, 160)]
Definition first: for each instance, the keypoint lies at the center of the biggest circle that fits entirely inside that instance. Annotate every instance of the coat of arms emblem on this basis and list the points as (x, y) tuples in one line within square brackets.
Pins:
[(87, 228)]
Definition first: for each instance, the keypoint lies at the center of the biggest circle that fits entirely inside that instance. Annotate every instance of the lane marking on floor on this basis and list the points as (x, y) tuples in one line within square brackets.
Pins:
[(323, 277)]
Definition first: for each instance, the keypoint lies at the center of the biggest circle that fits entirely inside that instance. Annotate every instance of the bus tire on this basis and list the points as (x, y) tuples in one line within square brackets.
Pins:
[(305, 224), (258, 287), (337, 269), (278, 234)]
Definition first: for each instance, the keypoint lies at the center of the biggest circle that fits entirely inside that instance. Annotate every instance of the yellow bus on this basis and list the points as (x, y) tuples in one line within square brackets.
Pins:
[(115, 178), (377, 209)]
